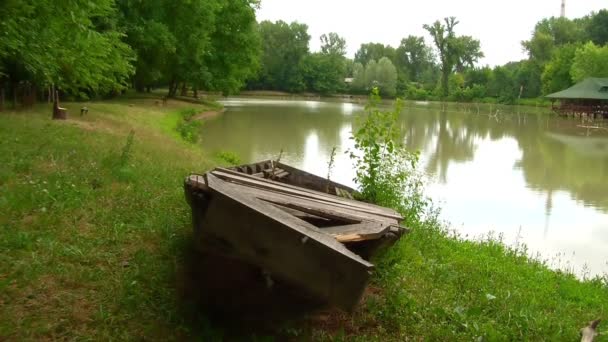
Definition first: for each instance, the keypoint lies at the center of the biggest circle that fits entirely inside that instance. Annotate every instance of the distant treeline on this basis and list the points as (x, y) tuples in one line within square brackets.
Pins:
[(88, 49), (560, 52)]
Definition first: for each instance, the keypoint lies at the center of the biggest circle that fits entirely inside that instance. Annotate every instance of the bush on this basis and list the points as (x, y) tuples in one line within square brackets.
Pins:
[(188, 127), (386, 171)]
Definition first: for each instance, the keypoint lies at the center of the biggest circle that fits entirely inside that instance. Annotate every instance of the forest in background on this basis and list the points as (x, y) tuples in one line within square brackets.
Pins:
[(560, 52), (97, 49)]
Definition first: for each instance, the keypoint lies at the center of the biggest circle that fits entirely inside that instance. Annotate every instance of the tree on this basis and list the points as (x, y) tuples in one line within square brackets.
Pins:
[(359, 82), (374, 51), (590, 61), (323, 73), (598, 27), (333, 44), (386, 77), (371, 72), (235, 46), (556, 75), (413, 57), (467, 52), (283, 48), (81, 53)]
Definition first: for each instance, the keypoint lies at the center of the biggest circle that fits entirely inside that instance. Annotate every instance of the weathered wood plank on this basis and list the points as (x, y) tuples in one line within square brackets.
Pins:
[(358, 228), (283, 245), (317, 193), (285, 188)]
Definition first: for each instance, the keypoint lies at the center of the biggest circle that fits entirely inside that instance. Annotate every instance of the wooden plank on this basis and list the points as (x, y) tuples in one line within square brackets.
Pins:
[(285, 188), (313, 192), (355, 237), (260, 234), (315, 207), (358, 228)]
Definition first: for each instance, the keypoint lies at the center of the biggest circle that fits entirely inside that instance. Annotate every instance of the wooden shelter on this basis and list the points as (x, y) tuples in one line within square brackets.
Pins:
[(589, 97), (294, 227)]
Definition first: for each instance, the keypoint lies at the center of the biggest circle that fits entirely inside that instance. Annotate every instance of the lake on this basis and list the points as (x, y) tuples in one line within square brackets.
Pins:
[(517, 172)]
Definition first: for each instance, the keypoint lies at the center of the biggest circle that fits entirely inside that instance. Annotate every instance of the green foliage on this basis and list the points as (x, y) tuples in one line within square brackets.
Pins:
[(556, 75), (455, 52), (413, 57), (385, 170), (381, 74), (597, 27), (374, 52), (333, 44), (74, 45), (323, 73), (229, 157), (284, 46), (590, 61), (188, 126)]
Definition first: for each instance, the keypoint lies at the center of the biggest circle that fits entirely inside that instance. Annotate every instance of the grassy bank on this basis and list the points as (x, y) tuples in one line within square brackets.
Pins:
[(95, 231), (92, 226)]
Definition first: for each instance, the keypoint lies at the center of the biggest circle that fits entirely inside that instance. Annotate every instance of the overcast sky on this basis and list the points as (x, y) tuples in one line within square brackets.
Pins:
[(499, 25)]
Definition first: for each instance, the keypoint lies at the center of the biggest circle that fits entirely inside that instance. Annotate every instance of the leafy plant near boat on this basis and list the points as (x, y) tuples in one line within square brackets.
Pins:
[(386, 171), (188, 127)]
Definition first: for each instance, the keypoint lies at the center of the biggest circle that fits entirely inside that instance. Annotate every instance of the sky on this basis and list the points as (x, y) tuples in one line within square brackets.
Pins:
[(499, 25)]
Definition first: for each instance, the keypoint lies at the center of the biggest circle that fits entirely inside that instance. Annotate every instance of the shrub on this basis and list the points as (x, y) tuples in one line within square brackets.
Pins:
[(386, 171)]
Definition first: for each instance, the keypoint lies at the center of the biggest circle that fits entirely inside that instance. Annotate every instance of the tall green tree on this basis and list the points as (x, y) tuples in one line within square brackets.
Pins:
[(333, 44), (235, 50), (453, 51), (590, 61), (597, 27), (283, 48), (556, 75), (374, 51), (74, 45), (386, 77), (413, 58)]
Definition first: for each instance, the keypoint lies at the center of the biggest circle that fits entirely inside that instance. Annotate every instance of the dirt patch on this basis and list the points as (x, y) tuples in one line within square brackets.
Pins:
[(334, 321)]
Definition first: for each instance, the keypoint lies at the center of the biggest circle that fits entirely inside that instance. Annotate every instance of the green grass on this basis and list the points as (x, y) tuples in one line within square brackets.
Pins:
[(92, 231), (94, 234), (437, 287)]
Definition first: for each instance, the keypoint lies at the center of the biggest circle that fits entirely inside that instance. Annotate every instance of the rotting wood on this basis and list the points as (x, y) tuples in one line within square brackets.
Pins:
[(289, 189), (589, 333), (363, 228), (318, 242)]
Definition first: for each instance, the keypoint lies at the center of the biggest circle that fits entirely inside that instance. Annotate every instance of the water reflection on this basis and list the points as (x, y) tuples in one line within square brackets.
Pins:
[(519, 173)]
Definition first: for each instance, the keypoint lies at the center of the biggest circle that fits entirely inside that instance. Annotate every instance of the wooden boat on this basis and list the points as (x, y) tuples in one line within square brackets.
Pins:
[(295, 227)]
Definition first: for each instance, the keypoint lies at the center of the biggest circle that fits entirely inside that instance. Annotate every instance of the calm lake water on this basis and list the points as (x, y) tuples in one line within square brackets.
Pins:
[(534, 178)]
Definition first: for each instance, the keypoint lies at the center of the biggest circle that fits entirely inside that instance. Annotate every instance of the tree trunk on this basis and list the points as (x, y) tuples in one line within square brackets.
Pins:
[(184, 91), (15, 87), (445, 77), (58, 112), (195, 92), (172, 88), (2, 97)]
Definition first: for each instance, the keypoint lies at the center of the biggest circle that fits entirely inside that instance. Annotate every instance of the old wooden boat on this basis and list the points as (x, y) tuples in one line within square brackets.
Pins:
[(294, 227)]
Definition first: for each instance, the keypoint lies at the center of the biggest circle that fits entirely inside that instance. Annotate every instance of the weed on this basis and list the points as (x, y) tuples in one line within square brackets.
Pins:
[(188, 127), (229, 157), (386, 171)]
